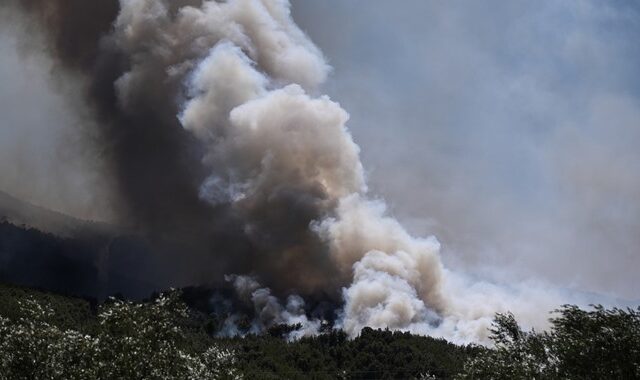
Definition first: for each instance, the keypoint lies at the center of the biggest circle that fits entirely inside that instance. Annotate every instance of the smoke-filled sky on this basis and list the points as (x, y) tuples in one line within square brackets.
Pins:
[(45, 154), (508, 130)]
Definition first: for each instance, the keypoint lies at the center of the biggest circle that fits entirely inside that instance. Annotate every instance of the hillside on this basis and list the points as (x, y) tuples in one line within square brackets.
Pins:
[(48, 336), (49, 250), (21, 213), (375, 354), (54, 258)]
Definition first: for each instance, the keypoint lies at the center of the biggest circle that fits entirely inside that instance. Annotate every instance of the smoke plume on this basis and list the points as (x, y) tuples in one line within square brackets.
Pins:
[(269, 311), (222, 150)]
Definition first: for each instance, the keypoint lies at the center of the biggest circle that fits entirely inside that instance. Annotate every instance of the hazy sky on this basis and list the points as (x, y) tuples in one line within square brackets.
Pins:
[(508, 129), (44, 142)]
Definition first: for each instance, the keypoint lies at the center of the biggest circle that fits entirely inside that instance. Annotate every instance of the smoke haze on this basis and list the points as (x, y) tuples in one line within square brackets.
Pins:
[(212, 138), (47, 154), (515, 125)]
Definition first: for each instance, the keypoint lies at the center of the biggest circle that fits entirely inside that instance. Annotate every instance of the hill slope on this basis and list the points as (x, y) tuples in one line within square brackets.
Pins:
[(45, 249), (376, 354)]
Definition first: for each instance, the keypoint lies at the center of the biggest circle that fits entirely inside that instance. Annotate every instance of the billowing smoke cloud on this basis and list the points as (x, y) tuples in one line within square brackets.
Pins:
[(514, 125), (221, 149), (282, 160), (269, 311)]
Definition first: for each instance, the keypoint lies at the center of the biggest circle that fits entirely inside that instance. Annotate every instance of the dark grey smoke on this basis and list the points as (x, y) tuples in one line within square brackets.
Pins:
[(147, 149), (155, 164), (73, 27), (224, 156)]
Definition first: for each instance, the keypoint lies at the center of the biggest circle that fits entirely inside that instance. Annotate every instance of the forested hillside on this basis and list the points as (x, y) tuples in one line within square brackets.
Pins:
[(48, 336), (163, 338)]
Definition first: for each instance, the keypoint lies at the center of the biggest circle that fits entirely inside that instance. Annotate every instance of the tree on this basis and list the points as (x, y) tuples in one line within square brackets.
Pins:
[(133, 341), (581, 344)]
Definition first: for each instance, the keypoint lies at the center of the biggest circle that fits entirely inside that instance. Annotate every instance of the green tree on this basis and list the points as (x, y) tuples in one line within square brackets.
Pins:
[(132, 341), (581, 344)]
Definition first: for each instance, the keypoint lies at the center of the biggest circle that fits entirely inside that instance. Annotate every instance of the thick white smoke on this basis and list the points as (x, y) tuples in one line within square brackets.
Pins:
[(249, 76)]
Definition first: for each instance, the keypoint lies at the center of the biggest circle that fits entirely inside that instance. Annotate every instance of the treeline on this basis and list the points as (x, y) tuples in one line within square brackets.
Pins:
[(89, 262), (46, 336), (580, 344), (375, 354)]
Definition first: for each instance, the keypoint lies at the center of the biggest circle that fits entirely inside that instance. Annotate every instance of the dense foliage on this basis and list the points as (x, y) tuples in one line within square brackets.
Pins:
[(375, 354), (47, 336), (126, 341), (596, 344), (56, 337)]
